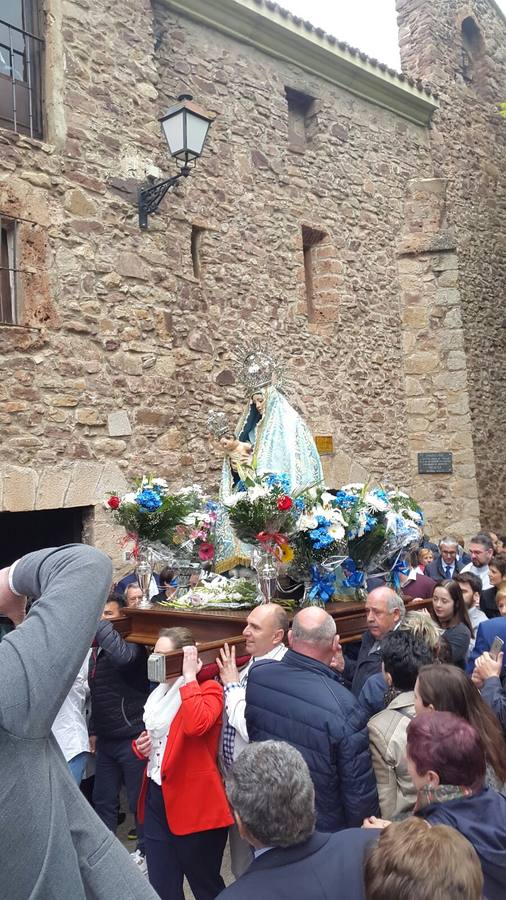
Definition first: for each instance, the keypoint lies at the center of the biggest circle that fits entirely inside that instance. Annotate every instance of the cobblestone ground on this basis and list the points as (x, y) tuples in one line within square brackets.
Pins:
[(130, 846)]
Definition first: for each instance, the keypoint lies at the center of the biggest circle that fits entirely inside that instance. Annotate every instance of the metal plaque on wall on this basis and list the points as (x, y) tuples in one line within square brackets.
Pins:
[(435, 463)]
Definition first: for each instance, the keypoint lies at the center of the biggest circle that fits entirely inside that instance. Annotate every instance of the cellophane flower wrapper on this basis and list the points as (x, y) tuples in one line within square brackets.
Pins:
[(319, 532), (377, 523)]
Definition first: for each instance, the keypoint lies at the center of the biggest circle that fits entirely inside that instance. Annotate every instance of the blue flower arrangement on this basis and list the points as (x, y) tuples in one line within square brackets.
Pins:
[(150, 512)]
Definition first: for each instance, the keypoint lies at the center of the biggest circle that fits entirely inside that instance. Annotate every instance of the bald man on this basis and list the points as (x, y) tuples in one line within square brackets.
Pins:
[(300, 700), (384, 611), (265, 630)]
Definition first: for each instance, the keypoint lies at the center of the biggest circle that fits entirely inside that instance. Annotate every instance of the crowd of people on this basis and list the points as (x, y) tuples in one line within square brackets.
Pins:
[(380, 766)]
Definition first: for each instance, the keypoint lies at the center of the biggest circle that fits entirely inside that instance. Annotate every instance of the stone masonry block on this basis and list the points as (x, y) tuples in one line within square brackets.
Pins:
[(51, 489), (19, 489), (82, 490), (118, 423)]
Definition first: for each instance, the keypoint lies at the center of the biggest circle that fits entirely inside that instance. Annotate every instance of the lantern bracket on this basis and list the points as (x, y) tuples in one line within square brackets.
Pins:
[(151, 196)]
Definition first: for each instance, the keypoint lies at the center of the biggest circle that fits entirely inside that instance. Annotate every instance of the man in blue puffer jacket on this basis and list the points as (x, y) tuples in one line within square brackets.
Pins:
[(300, 700)]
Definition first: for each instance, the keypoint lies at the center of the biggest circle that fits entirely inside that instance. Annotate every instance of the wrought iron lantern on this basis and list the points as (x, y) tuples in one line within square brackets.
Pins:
[(185, 128)]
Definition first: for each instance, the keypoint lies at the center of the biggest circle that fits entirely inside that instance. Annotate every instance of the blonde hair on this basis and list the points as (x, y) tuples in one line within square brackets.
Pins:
[(423, 627), (501, 589), (412, 859)]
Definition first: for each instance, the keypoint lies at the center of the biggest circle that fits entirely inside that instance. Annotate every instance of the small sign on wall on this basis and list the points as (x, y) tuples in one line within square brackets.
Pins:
[(324, 443), (435, 463)]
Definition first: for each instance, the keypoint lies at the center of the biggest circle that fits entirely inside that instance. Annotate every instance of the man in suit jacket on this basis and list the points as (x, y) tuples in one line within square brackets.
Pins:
[(384, 611), (53, 844), (272, 796), (447, 564)]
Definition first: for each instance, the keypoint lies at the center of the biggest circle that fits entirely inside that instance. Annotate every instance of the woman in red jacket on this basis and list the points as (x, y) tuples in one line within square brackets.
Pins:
[(182, 801)]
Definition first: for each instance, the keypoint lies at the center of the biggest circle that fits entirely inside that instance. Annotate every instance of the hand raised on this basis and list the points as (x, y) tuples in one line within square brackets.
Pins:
[(191, 663), (487, 667), (228, 671)]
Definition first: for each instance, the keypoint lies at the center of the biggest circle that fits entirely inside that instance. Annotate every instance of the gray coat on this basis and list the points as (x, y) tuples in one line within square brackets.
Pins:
[(53, 846)]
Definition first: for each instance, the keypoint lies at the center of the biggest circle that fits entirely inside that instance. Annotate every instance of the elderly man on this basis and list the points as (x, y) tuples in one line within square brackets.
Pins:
[(301, 700), (132, 595), (272, 796), (447, 564), (265, 630), (67, 851), (384, 612)]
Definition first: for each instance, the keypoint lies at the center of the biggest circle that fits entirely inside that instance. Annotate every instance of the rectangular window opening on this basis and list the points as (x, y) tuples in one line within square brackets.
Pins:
[(311, 238), (21, 61), (301, 113), (8, 271), (196, 250)]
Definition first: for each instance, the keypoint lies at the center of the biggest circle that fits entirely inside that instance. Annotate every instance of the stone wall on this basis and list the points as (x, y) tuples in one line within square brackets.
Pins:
[(437, 399), (468, 143), (122, 349)]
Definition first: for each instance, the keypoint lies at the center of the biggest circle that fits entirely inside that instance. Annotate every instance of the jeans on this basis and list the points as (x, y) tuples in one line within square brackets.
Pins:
[(115, 763), (170, 857), (77, 766)]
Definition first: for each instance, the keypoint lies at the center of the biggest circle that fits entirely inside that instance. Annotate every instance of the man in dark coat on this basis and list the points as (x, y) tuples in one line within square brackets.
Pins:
[(384, 611), (300, 699), (119, 687), (272, 796)]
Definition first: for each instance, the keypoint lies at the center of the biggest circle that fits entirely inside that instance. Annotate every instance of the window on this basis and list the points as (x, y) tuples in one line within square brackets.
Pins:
[(196, 247), (472, 49), (21, 49), (311, 240), (8, 272), (301, 116)]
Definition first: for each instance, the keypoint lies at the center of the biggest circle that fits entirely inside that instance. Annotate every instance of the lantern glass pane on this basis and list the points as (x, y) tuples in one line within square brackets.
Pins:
[(173, 130), (196, 130)]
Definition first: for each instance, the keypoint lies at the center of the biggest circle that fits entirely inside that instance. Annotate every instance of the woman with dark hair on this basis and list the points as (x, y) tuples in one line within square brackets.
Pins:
[(403, 655), (496, 574), (446, 762), (450, 612), (497, 569), (448, 689), (182, 800)]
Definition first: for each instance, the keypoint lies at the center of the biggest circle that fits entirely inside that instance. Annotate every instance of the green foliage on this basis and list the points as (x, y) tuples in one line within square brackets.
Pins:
[(158, 524)]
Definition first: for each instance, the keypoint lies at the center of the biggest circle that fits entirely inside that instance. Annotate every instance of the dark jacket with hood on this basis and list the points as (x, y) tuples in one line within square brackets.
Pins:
[(482, 820), (118, 685), (300, 700)]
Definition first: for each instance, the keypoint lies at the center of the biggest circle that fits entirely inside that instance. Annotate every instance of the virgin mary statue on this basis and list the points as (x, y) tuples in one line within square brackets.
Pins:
[(281, 444)]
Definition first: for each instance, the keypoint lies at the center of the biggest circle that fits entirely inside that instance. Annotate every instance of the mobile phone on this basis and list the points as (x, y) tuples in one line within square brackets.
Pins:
[(496, 647)]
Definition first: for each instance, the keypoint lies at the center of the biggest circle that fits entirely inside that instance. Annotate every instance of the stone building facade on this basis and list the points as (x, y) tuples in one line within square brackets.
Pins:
[(331, 216)]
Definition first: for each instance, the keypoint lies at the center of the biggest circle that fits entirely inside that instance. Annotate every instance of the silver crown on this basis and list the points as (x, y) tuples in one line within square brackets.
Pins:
[(217, 423), (257, 369)]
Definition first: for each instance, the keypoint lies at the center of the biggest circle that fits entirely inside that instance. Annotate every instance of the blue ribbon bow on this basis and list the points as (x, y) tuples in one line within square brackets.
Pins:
[(399, 568), (322, 586), (354, 577)]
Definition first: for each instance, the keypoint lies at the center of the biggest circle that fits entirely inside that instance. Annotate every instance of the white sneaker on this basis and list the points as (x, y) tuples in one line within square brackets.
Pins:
[(140, 861)]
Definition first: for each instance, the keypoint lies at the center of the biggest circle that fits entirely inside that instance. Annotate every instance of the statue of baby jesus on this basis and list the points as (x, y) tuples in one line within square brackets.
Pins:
[(239, 452)]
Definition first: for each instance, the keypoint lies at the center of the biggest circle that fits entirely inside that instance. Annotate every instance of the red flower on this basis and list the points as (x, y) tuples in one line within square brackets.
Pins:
[(206, 550), (113, 502), (285, 502)]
